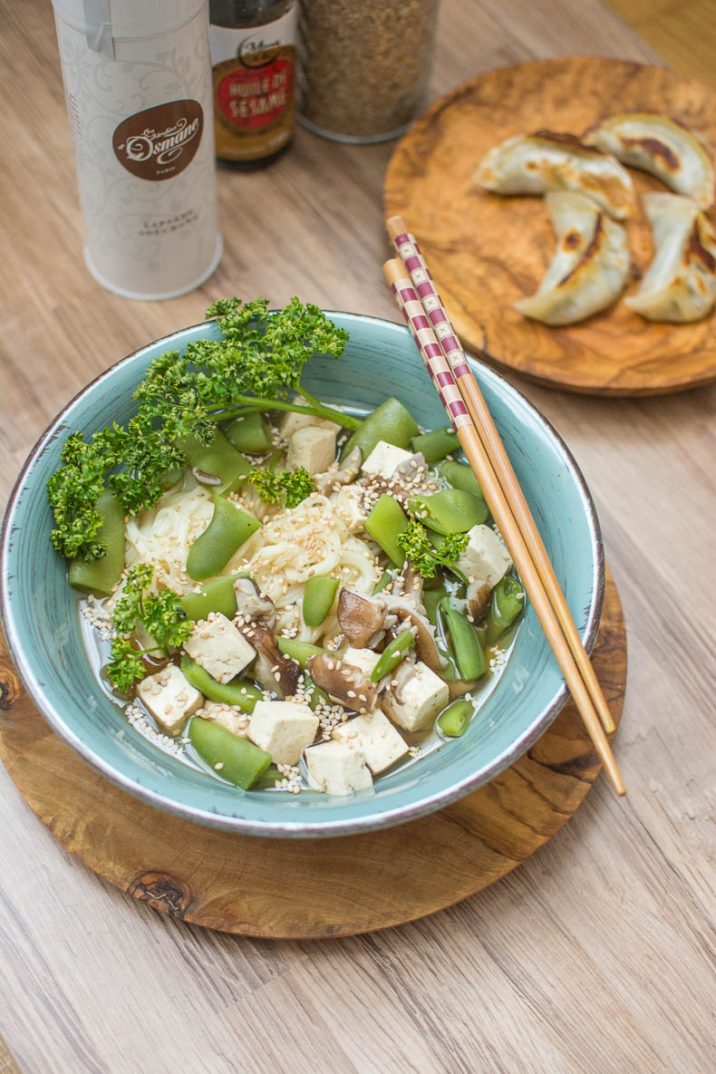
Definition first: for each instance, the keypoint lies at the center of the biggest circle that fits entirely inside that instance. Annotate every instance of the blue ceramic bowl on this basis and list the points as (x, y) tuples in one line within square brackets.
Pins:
[(43, 631)]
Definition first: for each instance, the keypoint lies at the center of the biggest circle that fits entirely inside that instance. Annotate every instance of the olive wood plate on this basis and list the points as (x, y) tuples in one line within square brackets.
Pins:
[(299, 889), (485, 251)]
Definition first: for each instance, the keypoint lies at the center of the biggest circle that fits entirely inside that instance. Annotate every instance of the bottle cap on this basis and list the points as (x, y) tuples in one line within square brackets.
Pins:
[(105, 21)]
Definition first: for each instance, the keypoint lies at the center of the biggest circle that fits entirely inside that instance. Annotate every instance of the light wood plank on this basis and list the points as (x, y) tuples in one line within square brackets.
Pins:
[(594, 957)]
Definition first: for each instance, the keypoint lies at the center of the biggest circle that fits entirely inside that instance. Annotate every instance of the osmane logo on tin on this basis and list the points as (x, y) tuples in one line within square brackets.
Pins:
[(159, 142)]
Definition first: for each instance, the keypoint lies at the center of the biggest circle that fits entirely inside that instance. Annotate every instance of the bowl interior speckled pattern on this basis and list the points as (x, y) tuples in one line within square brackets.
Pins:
[(42, 625)]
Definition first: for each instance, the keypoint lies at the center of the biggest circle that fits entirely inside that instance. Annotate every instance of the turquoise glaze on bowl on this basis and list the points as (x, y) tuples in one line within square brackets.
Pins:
[(43, 630)]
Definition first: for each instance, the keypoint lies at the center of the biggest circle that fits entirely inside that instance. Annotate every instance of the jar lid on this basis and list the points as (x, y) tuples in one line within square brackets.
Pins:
[(105, 21)]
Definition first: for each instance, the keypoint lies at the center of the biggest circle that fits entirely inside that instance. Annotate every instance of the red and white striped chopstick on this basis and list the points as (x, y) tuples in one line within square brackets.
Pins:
[(478, 456), (409, 253)]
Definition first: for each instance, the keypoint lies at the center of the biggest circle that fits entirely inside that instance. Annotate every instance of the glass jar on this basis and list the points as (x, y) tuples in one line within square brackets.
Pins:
[(364, 66), (253, 62)]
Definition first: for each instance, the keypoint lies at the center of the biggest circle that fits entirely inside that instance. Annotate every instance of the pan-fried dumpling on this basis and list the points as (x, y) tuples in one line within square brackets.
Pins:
[(590, 265), (680, 283), (658, 145), (538, 163)]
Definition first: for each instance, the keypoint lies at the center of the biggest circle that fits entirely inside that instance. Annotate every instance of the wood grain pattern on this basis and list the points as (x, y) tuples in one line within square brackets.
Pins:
[(281, 888), (487, 251), (595, 956)]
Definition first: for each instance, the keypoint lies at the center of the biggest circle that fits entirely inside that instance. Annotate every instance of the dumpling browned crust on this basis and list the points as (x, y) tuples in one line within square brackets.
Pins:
[(661, 146), (680, 283), (548, 161), (590, 264)]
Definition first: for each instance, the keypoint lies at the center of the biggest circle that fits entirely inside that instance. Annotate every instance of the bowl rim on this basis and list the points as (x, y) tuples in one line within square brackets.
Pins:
[(382, 818)]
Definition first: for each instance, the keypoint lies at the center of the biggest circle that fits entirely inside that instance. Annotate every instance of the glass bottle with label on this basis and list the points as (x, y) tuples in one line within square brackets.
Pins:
[(253, 59)]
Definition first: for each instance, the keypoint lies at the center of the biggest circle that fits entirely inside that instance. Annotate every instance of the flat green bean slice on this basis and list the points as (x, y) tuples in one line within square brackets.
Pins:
[(506, 604), (382, 582), (216, 596), (242, 694), (393, 654), (250, 434), (454, 720), (300, 651), (102, 575), (435, 445), (469, 656), (318, 596), (431, 600), (230, 527), (391, 421), (218, 458), (385, 523), (449, 511), (232, 757), (460, 476)]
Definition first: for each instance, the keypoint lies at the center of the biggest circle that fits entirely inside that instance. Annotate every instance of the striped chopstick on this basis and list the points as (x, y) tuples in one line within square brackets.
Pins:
[(477, 452)]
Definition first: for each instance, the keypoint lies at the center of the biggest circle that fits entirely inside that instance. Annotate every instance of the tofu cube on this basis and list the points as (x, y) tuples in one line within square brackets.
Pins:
[(417, 698), (313, 447), (170, 698), (219, 647), (384, 459), (365, 659), (290, 422), (376, 736), (348, 504), (283, 729), (228, 716), (486, 558), (337, 768)]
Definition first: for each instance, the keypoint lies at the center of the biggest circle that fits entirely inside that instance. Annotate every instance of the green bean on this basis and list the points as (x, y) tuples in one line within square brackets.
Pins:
[(435, 445), (102, 575), (216, 596), (385, 578), (318, 596), (454, 720), (431, 600), (393, 654), (391, 422), (506, 603), (243, 695), (314, 694), (235, 758), (469, 657), (300, 651), (449, 511), (250, 434), (229, 528), (218, 458), (384, 523), (170, 477), (460, 476)]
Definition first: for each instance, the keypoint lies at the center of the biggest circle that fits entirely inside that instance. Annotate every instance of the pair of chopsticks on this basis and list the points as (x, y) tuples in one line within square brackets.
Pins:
[(417, 297)]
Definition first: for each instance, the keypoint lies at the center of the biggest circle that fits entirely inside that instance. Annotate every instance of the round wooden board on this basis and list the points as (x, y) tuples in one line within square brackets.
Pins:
[(486, 251), (301, 889)]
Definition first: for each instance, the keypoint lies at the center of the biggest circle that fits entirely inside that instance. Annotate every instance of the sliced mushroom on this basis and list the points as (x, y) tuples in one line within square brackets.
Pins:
[(254, 605), (205, 478), (344, 683), (361, 620), (426, 648), (273, 670), (478, 598), (327, 482)]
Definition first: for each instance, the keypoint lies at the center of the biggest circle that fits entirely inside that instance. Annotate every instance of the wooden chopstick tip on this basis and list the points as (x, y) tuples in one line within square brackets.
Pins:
[(394, 271), (396, 226)]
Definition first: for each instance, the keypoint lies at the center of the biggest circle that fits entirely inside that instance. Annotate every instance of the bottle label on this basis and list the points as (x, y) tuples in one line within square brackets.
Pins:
[(160, 142), (254, 76)]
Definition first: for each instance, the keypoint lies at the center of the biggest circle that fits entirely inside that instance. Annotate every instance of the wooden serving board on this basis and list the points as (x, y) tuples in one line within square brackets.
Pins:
[(486, 251), (309, 889)]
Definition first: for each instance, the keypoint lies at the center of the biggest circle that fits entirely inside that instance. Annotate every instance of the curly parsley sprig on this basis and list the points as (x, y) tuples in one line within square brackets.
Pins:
[(161, 615), (255, 365), (282, 486), (424, 556)]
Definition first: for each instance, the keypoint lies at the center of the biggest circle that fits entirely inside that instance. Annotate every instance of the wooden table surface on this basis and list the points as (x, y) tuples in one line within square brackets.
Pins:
[(594, 956)]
